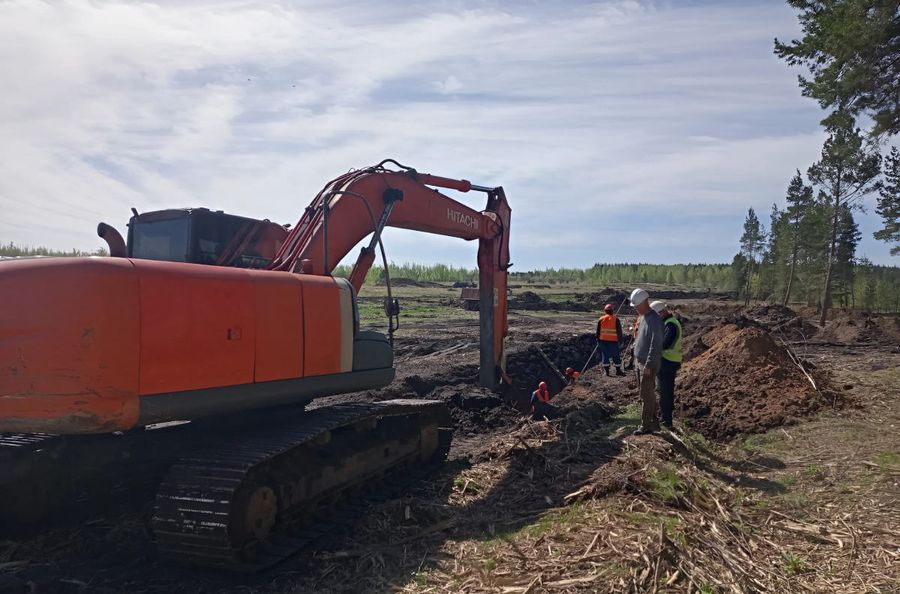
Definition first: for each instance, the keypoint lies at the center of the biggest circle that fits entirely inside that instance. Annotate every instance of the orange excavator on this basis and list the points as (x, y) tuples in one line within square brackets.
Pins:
[(235, 325)]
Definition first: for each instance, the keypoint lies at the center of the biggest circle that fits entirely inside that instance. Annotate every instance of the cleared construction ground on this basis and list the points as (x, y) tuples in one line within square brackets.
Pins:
[(785, 475)]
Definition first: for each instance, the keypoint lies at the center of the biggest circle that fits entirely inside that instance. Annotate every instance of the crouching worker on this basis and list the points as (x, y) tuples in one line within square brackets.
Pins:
[(572, 376), (540, 402), (609, 333)]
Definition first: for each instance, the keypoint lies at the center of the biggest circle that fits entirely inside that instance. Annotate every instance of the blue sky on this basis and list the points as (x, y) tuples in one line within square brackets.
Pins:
[(621, 130)]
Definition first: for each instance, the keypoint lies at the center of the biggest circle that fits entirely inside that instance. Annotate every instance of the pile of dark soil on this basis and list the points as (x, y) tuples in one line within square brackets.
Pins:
[(745, 383), (848, 327), (782, 319), (408, 282), (771, 313), (597, 300), (531, 301), (475, 410), (693, 294)]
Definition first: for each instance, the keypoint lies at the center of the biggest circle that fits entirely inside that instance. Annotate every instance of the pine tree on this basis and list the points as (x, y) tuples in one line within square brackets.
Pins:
[(889, 202), (739, 273), (752, 242), (846, 172), (848, 237), (799, 199), (852, 50), (772, 259)]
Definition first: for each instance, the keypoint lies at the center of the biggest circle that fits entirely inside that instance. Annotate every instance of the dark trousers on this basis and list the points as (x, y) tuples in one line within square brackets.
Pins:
[(666, 386), (609, 351)]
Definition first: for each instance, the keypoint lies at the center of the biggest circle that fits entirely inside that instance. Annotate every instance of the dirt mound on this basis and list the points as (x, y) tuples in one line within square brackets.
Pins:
[(772, 313), (408, 282), (697, 343), (855, 327), (745, 383), (529, 300), (474, 410), (599, 299), (782, 319)]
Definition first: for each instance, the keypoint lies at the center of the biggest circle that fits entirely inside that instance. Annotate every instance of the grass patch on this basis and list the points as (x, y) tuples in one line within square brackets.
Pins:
[(558, 517), (561, 516), (671, 523), (789, 480), (793, 565), (813, 471), (697, 440), (797, 501), (888, 461), (461, 482), (666, 484), (631, 413), (755, 443), (421, 579)]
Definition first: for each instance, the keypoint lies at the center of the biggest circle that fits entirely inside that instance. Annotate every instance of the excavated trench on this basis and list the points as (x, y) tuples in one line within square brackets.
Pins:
[(477, 411)]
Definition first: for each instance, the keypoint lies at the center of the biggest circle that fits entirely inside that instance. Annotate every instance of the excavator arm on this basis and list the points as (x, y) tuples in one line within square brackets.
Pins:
[(362, 202)]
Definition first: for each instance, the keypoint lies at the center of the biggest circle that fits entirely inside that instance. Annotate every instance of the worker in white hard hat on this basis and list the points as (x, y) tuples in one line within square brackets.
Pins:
[(648, 357), (671, 361)]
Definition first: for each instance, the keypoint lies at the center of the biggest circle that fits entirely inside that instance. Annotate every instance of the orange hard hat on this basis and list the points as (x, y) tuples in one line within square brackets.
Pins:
[(608, 308), (569, 370), (542, 385), (576, 375)]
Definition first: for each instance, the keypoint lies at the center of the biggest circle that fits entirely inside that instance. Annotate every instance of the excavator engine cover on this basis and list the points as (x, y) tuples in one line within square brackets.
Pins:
[(95, 345)]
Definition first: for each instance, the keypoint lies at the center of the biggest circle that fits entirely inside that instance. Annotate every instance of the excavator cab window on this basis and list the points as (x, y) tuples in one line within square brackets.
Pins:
[(201, 236), (160, 239)]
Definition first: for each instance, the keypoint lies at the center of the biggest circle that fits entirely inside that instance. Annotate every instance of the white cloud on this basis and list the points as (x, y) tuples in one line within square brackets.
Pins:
[(584, 111)]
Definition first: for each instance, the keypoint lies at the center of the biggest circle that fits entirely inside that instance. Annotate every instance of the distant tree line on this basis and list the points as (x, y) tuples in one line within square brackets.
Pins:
[(716, 277), (13, 250)]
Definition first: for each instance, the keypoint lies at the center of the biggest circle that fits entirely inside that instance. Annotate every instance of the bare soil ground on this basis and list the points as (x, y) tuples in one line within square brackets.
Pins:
[(783, 475)]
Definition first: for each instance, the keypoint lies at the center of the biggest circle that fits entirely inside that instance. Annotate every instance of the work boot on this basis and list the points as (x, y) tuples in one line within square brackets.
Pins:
[(606, 369), (619, 371)]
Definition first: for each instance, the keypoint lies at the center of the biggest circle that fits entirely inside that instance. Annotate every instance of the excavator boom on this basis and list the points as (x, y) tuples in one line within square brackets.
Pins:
[(362, 202)]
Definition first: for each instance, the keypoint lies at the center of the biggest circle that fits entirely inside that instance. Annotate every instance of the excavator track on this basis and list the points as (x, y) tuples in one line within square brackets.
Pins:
[(249, 504)]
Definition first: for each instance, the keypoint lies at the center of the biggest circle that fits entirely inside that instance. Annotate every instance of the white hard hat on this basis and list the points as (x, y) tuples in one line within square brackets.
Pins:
[(658, 306), (638, 296)]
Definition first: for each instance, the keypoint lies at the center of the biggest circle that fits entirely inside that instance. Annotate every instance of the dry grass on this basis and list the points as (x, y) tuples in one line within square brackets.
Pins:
[(676, 529)]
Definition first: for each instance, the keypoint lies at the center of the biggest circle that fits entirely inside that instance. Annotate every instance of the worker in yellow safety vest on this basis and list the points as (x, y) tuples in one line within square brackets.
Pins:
[(671, 362), (609, 333)]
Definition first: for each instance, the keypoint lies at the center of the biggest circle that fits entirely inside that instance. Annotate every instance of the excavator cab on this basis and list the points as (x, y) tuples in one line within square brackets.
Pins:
[(203, 236)]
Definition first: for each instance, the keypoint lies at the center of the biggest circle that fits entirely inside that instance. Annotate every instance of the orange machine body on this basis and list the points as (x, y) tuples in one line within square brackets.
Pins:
[(83, 341)]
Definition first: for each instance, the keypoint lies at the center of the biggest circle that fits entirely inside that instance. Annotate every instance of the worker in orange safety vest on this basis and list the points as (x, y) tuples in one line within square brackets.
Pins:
[(609, 333)]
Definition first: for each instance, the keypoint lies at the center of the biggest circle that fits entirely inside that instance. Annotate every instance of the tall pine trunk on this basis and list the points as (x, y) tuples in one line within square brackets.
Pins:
[(787, 290), (749, 283), (829, 268)]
